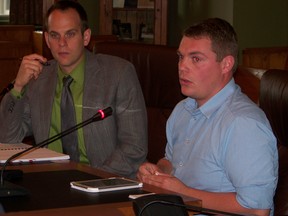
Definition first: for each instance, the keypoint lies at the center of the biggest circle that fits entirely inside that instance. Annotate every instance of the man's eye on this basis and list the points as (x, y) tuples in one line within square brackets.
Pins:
[(195, 59), (180, 57), (54, 35), (70, 34)]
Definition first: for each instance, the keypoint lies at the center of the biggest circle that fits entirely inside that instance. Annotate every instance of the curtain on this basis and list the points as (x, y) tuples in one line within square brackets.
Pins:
[(26, 12)]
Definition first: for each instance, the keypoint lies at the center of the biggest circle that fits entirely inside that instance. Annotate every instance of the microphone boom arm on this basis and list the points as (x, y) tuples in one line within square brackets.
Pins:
[(100, 115)]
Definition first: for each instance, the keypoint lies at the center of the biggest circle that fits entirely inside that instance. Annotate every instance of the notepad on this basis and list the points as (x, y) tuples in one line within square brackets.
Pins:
[(38, 154)]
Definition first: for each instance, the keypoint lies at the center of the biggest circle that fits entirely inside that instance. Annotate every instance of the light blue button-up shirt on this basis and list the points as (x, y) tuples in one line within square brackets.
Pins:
[(226, 145)]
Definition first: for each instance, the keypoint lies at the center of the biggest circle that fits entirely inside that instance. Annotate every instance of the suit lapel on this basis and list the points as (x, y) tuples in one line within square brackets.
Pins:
[(91, 70), (46, 103)]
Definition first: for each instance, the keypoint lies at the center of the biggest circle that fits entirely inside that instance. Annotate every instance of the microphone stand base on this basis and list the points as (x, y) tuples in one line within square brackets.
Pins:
[(11, 190)]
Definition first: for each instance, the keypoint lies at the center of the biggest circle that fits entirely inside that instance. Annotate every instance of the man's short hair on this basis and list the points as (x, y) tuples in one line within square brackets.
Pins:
[(222, 35), (64, 5)]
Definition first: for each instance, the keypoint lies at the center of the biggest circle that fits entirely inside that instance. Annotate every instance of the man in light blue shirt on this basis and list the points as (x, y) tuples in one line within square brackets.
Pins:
[(220, 147)]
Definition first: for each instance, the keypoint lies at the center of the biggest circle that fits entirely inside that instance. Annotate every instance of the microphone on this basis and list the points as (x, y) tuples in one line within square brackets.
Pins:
[(7, 89), (8, 189)]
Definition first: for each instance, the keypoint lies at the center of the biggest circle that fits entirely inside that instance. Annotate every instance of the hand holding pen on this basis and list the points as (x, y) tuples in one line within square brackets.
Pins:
[(30, 68)]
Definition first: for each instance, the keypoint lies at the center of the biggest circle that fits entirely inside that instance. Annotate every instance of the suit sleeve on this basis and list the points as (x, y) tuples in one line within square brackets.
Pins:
[(15, 121), (131, 118)]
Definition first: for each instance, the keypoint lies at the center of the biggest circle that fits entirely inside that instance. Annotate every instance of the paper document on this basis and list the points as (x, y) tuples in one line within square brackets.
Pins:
[(38, 154)]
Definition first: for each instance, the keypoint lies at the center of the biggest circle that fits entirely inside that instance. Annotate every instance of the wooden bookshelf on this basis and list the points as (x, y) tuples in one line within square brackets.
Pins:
[(153, 20)]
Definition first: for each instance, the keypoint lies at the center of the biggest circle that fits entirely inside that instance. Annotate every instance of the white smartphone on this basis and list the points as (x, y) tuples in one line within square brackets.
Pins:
[(107, 184)]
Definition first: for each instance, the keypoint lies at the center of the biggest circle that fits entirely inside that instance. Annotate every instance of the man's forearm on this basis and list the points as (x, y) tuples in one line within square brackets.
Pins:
[(222, 201)]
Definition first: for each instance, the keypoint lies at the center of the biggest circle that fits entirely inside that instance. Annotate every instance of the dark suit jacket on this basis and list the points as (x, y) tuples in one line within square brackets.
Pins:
[(118, 143)]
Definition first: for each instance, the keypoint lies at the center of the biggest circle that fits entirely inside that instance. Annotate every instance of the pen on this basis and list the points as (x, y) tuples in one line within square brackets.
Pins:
[(43, 63)]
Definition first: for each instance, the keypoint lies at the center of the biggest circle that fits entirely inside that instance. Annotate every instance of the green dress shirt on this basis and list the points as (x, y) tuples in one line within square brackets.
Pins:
[(76, 88)]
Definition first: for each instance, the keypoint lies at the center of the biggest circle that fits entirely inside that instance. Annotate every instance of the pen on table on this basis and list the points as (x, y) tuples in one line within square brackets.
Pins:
[(41, 62)]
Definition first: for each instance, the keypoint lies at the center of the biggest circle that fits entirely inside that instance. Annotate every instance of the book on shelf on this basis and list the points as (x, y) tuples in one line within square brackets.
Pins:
[(133, 4), (146, 4), (146, 32), (116, 27), (125, 31), (118, 3), (130, 3), (34, 155)]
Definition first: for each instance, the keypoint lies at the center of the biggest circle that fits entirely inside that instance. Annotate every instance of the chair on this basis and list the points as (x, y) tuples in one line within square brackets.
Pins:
[(274, 101), (156, 67)]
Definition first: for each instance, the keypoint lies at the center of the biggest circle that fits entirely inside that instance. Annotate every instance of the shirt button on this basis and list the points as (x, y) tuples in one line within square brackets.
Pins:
[(181, 164)]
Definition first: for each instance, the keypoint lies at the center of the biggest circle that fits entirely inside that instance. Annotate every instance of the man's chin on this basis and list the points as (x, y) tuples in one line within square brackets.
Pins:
[(186, 91), (64, 66), (64, 62)]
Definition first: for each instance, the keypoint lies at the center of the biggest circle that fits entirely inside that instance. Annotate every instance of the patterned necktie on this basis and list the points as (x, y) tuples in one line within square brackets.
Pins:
[(68, 120)]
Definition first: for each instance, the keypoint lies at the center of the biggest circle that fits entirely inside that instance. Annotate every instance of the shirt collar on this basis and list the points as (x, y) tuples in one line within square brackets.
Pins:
[(213, 103)]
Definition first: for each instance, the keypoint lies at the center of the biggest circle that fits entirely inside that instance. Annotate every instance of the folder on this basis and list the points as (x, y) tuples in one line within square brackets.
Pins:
[(34, 155)]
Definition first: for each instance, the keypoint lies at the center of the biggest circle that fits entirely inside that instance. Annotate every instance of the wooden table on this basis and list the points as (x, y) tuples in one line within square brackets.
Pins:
[(114, 208)]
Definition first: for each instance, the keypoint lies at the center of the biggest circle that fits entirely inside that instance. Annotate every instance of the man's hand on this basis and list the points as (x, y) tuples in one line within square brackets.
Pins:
[(152, 174), (147, 169), (164, 181), (30, 68)]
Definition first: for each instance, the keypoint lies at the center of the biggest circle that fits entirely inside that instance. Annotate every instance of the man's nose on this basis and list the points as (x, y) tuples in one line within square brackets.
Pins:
[(182, 64), (62, 41)]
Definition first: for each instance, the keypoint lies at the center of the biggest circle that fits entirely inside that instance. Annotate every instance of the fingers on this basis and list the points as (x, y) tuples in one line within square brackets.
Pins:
[(147, 169), (151, 174), (148, 173), (34, 66), (30, 68), (161, 174), (157, 180), (144, 169), (35, 57)]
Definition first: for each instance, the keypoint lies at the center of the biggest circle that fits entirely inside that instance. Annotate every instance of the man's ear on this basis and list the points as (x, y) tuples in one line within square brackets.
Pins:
[(87, 36), (227, 63), (47, 39)]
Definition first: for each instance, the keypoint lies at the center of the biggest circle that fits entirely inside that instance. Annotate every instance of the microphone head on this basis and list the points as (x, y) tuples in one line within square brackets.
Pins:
[(107, 112)]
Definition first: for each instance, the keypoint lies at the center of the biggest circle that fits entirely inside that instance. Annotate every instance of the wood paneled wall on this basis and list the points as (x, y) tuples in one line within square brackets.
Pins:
[(15, 42), (266, 57)]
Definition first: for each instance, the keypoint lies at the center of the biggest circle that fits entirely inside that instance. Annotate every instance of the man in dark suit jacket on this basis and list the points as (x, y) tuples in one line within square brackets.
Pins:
[(117, 144)]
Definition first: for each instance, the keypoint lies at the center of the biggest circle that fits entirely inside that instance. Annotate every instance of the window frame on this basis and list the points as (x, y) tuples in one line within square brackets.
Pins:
[(4, 11), (5, 7)]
